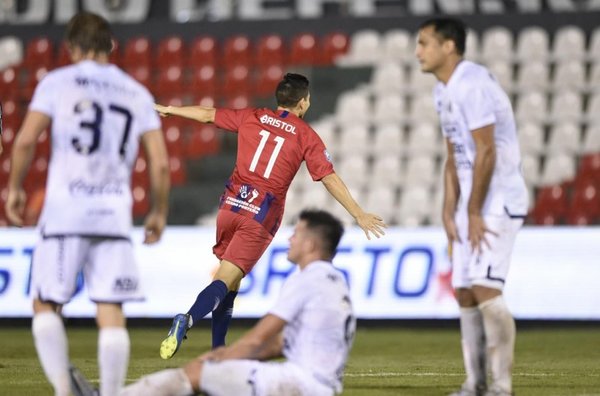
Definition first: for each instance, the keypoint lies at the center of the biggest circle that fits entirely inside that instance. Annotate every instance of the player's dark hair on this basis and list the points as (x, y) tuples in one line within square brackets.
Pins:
[(326, 226), (89, 32), (291, 90), (449, 29)]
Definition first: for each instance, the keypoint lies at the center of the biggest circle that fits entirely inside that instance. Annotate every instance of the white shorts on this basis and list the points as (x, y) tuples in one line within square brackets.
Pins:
[(108, 265), (489, 267), (254, 378)]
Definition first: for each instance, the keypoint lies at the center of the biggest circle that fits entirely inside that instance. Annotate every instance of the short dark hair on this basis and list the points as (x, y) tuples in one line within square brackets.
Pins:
[(291, 90), (326, 226), (89, 32), (449, 29)]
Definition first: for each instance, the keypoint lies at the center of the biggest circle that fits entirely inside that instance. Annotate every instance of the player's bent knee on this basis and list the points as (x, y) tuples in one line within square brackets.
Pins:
[(465, 298), (484, 293), (193, 372)]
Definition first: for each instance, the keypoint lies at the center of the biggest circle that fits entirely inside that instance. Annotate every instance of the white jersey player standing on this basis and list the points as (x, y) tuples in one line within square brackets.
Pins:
[(98, 115), (312, 325), (485, 199)]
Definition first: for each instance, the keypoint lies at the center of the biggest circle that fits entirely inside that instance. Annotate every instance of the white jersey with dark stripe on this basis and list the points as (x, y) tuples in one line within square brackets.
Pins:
[(470, 100), (98, 114)]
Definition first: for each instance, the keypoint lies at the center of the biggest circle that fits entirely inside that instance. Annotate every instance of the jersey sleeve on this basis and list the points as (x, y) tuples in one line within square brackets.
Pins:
[(291, 299), (44, 96), (478, 106), (149, 119), (318, 159), (229, 119)]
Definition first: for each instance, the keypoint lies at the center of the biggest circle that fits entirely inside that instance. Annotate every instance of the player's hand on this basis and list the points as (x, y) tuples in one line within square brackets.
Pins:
[(15, 206), (154, 227), (371, 223), (451, 229), (163, 111), (477, 231)]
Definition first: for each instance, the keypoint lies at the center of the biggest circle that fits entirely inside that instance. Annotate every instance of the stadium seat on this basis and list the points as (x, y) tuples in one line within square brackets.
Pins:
[(586, 199), (564, 138), (530, 166), (9, 82), (533, 76), (354, 140), (503, 72), (420, 171), (497, 45), (365, 49), (36, 177), (8, 136), (589, 167), (177, 171), (472, 46), (387, 169), (174, 140), (388, 138), (204, 81), (169, 53), (389, 108), (140, 176), (422, 109), (383, 201), (593, 52), (420, 83), (203, 51), (569, 44), (332, 46), (141, 201), (352, 107), (267, 80), (326, 129), (137, 53), (63, 58), (11, 52), (39, 52), (203, 140), (269, 51), (388, 77), (169, 82), (532, 106), (592, 113), (236, 81), (11, 113), (566, 106), (237, 101), (237, 51), (397, 46), (557, 169), (415, 206), (531, 138), (304, 50), (424, 138), (533, 44), (353, 169), (141, 74), (551, 205), (591, 140), (569, 75)]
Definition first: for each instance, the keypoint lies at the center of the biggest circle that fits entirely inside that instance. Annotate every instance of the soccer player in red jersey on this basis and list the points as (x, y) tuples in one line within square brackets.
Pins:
[(271, 147)]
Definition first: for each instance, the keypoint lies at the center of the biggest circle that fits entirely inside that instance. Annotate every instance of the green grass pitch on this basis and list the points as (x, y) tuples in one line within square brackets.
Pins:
[(397, 360)]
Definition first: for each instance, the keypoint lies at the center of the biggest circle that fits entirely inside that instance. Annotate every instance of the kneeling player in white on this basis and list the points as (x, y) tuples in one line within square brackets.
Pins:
[(311, 324)]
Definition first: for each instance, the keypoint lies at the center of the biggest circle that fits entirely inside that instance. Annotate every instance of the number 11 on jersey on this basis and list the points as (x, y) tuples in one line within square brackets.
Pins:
[(261, 146)]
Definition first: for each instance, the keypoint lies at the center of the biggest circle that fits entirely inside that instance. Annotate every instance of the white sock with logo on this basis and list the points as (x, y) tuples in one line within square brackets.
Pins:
[(172, 382), (113, 358), (51, 344), (500, 333)]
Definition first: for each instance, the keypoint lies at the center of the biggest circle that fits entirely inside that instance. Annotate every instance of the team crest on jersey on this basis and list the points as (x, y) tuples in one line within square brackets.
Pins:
[(246, 191), (327, 155)]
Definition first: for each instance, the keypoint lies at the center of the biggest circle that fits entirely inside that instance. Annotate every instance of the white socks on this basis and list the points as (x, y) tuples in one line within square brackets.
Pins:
[(50, 341), (473, 347), (172, 382), (500, 335), (113, 358)]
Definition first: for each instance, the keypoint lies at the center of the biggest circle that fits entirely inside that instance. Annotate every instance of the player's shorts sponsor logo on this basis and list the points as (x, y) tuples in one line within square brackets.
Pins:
[(265, 119), (125, 284), (80, 187)]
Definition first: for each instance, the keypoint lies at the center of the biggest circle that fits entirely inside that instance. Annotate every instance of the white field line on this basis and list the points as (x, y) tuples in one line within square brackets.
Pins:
[(434, 374)]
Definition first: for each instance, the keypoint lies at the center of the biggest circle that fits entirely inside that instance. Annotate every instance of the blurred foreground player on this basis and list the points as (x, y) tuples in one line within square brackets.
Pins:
[(98, 115), (485, 200)]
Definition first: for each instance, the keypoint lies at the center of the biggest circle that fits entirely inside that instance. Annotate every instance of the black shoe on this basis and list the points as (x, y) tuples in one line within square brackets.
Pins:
[(80, 386)]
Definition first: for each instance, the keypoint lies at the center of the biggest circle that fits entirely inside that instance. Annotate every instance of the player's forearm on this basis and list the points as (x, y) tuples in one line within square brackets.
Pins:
[(22, 155), (483, 168), (160, 183), (451, 189), (336, 187), (196, 113)]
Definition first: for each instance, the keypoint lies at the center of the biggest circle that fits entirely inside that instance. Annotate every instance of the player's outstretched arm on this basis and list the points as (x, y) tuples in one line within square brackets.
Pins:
[(196, 113), (22, 153), (370, 223), (158, 168)]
